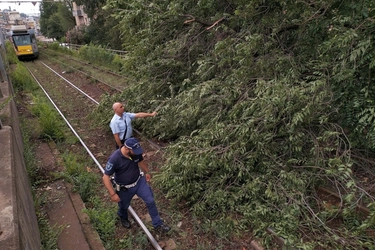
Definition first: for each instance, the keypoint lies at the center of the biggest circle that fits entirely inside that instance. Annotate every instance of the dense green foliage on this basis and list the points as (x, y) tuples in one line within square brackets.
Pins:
[(265, 101), (56, 18), (101, 56), (21, 79), (9, 54), (102, 30)]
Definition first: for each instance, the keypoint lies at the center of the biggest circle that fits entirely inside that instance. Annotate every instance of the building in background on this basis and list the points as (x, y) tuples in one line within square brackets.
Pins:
[(80, 15), (9, 18)]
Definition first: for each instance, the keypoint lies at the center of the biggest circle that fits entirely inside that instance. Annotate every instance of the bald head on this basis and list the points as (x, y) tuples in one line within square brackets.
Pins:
[(116, 105), (118, 108)]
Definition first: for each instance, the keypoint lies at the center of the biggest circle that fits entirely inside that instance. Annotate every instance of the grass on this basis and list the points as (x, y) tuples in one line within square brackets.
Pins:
[(41, 123), (104, 220), (47, 126), (48, 233), (49, 121), (102, 213), (83, 181)]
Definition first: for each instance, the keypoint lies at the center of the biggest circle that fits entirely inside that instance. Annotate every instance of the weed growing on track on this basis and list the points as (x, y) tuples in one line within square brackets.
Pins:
[(56, 47), (102, 215), (21, 79), (48, 233), (32, 167), (11, 56), (103, 219), (7, 100), (4, 118), (101, 57), (131, 242), (50, 123), (42, 122), (77, 174)]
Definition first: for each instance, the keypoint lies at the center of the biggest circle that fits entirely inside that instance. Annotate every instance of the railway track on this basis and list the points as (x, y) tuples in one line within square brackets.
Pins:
[(90, 65), (98, 74), (73, 91), (70, 95), (70, 100)]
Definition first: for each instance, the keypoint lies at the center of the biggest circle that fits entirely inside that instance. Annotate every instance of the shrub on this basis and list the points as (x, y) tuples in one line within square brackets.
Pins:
[(21, 78), (49, 121)]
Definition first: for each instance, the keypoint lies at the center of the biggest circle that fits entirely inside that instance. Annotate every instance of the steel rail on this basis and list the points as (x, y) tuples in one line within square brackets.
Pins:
[(137, 131), (95, 66), (120, 53), (270, 231), (152, 144), (74, 86), (84, 73), (130, 209), (157, 147)]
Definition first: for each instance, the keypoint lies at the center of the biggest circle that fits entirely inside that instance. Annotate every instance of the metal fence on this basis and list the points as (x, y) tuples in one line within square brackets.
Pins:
[(72, 46)]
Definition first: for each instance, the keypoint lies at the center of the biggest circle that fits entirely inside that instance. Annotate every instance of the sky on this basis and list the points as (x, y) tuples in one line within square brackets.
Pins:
[(26, 7)]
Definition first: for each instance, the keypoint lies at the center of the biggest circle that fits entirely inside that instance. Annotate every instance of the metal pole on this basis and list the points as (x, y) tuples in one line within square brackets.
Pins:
[(3, 72), (2, 67)]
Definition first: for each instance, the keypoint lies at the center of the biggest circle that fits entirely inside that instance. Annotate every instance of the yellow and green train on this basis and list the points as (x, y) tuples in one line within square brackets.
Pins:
[(24, 42)]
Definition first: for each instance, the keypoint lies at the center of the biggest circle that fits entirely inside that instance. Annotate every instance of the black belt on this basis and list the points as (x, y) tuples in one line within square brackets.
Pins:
[(118, 187), (131, 185)]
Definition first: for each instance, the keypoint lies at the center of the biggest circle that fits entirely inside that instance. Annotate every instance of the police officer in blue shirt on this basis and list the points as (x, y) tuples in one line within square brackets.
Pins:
[(123, 179), (121, 123)]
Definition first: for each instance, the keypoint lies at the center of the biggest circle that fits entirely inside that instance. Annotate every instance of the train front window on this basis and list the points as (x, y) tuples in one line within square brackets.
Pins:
[(21, 40)]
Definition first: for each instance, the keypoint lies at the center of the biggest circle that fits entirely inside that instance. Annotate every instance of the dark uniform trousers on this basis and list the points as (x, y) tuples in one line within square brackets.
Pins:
[(143, 190)]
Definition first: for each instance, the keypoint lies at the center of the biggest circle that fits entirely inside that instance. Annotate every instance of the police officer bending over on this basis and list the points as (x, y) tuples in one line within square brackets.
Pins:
[(125, 164)]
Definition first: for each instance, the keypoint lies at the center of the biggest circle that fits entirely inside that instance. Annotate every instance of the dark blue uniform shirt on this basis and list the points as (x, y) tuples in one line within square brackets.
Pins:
[(125, 170)]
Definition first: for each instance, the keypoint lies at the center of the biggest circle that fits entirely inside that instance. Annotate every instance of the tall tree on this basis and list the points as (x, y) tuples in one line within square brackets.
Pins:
[(265, 100), (47, 9), (102, 30), (56, 18)]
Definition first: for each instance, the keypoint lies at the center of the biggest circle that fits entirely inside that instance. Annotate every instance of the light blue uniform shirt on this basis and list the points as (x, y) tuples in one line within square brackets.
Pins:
[(117, 125)]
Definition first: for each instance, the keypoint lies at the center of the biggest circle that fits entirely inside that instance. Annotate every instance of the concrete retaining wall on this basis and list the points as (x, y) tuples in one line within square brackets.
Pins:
[(18, 222)]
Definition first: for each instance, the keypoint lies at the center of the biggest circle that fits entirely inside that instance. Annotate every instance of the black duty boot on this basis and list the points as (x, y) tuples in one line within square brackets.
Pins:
[(163, 228), (125, 223)]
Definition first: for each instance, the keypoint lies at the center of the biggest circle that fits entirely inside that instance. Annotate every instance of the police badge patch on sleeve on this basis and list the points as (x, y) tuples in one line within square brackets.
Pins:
[(108, 166)]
